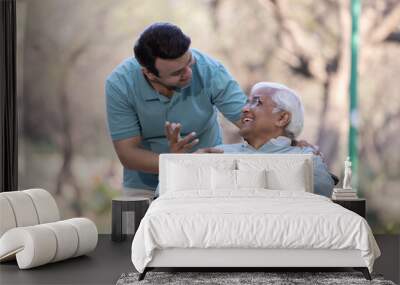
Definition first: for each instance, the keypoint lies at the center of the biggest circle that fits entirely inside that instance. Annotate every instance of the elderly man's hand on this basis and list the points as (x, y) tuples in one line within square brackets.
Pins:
[(176, 143), (209, 150)]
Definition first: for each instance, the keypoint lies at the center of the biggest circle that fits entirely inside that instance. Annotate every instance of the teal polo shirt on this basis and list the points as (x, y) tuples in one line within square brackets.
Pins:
[(134, 108)]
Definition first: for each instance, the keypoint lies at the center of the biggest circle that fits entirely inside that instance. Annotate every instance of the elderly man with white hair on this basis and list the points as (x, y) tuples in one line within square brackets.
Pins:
[(271, 119)]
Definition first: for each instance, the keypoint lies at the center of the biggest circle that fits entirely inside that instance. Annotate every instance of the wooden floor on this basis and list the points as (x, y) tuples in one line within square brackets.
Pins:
[(110, 260), (102, 266)]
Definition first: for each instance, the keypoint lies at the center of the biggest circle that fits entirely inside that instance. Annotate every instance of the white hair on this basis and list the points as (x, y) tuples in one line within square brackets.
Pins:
[(286, 100)]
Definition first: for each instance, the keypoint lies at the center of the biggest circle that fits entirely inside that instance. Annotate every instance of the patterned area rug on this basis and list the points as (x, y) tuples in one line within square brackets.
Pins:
[(230, 278)]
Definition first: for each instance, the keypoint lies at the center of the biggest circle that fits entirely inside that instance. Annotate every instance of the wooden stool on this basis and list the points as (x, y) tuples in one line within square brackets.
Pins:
[(127, 212)]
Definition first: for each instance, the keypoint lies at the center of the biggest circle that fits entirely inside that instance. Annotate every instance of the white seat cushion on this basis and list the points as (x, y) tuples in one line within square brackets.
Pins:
[(40, 244), (23, 208), (7, 218), (26, 208), (87, 235), (45, 205), (31, 232), (67, 238), (33, 246)]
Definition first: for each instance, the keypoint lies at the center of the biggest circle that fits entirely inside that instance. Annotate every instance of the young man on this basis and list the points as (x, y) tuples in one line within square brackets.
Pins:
[(166, 81), (272, 118)]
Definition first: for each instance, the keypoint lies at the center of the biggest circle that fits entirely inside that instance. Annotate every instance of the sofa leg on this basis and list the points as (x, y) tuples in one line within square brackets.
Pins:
[(364, 271), (143, 274)]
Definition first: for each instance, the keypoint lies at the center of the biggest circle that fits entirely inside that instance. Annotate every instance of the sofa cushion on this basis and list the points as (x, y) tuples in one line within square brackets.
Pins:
[(27, 208), (40, 244)]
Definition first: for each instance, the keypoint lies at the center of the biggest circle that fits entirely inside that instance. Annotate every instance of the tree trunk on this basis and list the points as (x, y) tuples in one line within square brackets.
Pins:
[(334, 118), (66, 175)]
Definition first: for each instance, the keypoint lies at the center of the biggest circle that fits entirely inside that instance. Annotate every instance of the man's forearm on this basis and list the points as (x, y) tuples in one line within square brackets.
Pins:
[(140, 159)]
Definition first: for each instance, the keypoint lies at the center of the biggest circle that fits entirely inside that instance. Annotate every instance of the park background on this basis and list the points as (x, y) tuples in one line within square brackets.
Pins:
[(66, 49)]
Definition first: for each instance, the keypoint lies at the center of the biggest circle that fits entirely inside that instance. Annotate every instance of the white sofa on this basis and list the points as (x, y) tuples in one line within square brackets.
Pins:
[(31, 231)]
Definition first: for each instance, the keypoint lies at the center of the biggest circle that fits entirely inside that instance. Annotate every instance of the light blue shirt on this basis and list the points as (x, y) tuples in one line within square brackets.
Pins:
[(134, 108), (323, 182)]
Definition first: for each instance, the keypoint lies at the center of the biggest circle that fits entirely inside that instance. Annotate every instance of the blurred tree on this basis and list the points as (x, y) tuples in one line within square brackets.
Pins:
[(71, 46), (307, 58), (332, 69), (67, 47), (312, 38)]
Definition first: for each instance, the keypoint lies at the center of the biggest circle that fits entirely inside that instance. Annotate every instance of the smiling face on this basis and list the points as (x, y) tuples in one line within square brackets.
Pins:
[(261, 120), (173, 73)]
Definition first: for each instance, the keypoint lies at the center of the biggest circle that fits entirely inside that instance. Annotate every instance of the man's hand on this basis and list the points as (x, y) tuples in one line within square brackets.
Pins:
[(303, 143), (209, 150), (176, 143)]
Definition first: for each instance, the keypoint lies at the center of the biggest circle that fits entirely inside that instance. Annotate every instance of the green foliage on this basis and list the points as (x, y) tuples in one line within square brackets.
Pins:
[(100, 199)]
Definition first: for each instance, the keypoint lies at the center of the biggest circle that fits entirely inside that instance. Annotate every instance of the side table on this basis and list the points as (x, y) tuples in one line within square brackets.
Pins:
[(358, 205), (126, 213)]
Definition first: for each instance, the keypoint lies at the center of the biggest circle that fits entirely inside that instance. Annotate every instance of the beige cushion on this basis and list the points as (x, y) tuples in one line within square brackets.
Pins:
[(24, 211), (27, 208), (45, 205), (67, 237), (7, 218), (31, 232), (87, 233), (40, 244)]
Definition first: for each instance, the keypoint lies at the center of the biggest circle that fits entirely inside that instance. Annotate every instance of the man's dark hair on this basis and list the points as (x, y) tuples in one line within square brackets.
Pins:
[(161, 40)]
